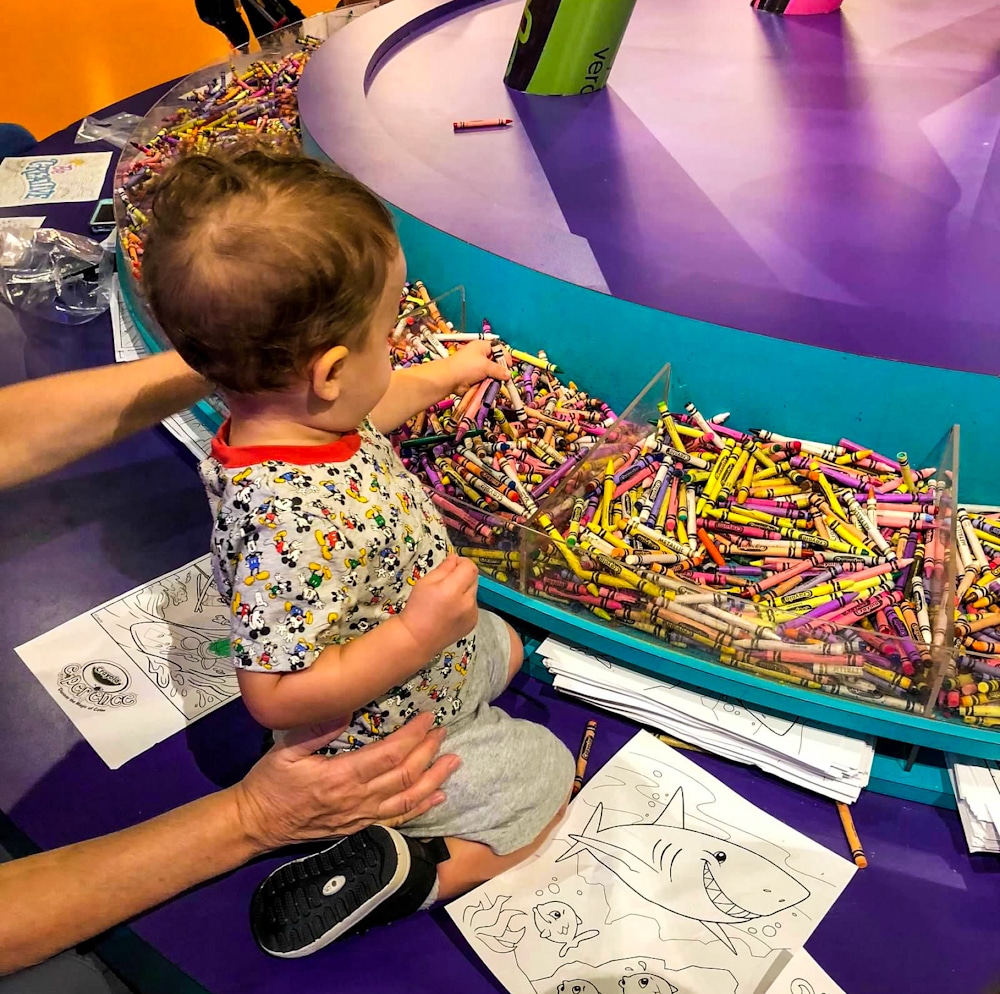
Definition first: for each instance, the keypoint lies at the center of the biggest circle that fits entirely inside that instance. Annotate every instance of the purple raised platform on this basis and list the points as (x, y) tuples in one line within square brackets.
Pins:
[(830, 180)]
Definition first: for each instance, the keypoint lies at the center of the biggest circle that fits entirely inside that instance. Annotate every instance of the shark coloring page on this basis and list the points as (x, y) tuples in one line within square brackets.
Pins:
[(659, 880)]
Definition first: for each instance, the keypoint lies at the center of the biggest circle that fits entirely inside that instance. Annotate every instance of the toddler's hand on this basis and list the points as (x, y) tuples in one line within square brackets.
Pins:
[(473, 363), (442, 607)]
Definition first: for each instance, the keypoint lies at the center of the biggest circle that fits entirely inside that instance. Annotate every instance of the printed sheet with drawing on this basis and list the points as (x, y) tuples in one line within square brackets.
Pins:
[(142, 666), (659, 879)]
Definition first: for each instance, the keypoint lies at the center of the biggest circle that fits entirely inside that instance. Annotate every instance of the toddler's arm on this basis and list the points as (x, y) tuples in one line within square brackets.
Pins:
[(343, 678), (415, 389)]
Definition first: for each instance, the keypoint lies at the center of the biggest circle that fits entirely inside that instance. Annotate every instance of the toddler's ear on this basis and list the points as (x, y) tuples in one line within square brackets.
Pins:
[(327, 371)]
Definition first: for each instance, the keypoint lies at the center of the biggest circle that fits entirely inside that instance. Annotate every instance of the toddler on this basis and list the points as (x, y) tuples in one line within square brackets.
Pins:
[(278, 280)]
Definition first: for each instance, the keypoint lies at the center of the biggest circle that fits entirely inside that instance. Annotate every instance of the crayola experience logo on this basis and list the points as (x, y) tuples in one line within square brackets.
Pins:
[(96, 686)]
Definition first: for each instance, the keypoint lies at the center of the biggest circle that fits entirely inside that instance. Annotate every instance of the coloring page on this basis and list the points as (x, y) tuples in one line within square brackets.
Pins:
[(802, 975), (52, 179), (815, 758), (21, 222), (144, 665), (660, 879)]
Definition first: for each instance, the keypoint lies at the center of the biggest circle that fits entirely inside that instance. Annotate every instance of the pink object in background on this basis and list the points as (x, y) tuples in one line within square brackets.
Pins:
[(796, 6)]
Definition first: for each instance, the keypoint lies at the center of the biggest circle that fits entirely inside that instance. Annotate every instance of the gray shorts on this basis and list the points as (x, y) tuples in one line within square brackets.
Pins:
[(514, 774)]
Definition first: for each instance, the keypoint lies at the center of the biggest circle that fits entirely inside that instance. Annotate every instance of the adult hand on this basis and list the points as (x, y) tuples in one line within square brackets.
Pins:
[(293, 795)]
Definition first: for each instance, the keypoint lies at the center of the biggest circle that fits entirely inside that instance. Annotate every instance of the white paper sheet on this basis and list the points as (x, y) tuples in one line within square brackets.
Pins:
[(837, 766), (658, 872), (129, 345), (52, 179), (802, 975), (21, 222), (976, 783), (133, 671)]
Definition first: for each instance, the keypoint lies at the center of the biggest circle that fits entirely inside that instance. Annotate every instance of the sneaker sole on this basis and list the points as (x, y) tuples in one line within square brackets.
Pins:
[(291, 916)]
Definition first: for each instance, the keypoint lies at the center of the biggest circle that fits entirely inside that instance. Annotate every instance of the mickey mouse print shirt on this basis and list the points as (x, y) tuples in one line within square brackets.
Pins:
[(314, 546)]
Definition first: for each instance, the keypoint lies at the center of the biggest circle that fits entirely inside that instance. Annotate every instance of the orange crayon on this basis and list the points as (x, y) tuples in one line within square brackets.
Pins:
[(494, 122)]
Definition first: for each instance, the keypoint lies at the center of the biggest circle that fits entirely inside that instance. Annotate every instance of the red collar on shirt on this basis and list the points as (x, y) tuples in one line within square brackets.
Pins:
[(232, 456)]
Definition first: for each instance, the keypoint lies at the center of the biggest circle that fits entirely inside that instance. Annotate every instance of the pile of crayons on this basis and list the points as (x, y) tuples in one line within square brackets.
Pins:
[(813, 564), (974, 689), (491, 455), (260, 100)]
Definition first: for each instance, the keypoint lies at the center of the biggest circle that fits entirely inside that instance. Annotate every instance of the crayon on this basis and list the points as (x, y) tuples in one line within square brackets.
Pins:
[(853, 842), (478, 125), (583, 755), (814, 564)]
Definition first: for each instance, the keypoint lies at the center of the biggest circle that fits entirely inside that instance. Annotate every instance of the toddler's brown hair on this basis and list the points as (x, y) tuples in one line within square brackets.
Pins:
[(257, 260)]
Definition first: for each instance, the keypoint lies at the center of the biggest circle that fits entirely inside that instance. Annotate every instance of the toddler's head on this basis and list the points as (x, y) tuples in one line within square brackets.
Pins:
[(275, 278)]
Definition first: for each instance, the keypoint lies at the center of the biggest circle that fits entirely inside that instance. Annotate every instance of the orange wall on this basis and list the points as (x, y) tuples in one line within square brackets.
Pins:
[(70, 59)]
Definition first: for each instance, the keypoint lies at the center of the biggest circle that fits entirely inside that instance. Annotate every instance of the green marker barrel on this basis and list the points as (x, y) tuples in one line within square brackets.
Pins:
[(566, 47)]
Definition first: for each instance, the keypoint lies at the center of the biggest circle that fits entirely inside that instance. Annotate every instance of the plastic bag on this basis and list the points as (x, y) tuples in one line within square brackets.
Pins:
[(115, 130), (55, 275)]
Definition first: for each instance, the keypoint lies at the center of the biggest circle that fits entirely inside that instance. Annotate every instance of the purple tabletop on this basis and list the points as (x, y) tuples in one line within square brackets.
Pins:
[(830, 180), (919, 919)]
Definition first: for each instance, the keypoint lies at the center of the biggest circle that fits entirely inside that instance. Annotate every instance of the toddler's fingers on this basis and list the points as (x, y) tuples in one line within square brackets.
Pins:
[(466, 575), (443, 570)]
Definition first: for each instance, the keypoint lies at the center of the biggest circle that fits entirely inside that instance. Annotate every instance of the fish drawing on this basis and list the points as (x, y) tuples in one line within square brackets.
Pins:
[(577, 987), (558, 922), (688, 872), (646, 983)]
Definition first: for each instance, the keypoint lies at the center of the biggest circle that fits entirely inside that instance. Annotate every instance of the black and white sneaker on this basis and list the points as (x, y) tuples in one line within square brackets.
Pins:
[(371, 878)]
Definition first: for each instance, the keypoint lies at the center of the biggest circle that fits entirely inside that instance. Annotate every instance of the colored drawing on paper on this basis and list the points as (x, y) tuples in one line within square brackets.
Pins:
[(176, 630)]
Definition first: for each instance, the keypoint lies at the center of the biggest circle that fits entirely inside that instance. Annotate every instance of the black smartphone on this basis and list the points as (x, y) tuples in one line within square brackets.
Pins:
[(103, 219)]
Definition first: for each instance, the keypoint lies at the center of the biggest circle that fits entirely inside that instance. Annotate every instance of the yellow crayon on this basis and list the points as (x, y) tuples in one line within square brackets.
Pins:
[(743, 491), (909, 486)]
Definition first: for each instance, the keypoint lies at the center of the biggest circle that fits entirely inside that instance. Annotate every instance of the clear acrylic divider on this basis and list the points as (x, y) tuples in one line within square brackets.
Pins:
[(869, 620)]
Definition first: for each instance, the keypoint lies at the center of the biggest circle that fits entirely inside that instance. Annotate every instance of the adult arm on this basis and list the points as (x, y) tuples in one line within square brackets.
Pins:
[(414, 389), (49, 902), (49, 422)]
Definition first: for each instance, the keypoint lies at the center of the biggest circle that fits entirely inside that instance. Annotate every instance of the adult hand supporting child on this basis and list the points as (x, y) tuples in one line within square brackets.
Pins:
[(290, 795), (293, 795)]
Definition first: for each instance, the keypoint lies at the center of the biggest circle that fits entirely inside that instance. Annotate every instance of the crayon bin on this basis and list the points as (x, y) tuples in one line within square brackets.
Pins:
[(654, 651)]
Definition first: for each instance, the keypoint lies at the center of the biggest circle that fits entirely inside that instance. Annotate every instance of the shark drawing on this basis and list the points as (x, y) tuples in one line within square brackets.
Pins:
[(558, 922), (687, 872)]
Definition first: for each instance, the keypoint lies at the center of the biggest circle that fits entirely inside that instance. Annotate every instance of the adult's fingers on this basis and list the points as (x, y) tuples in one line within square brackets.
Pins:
[(384, 758), (300, 742), (422, 795), (409, 771), (422, 808)]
